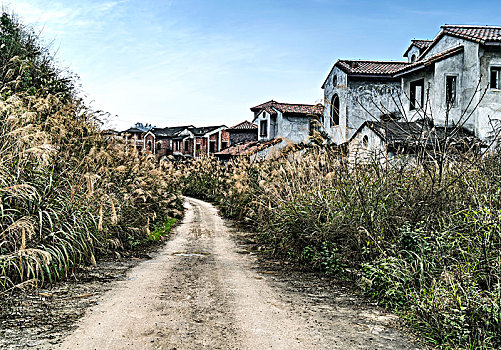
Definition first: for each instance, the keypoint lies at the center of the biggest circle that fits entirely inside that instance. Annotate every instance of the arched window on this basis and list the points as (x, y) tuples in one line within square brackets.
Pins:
[(413, 58), (365, 141), (335, 110), (334, 80), (149, 145)]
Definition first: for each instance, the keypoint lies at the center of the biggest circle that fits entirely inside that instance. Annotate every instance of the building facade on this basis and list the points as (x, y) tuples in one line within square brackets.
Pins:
[(452, 80)]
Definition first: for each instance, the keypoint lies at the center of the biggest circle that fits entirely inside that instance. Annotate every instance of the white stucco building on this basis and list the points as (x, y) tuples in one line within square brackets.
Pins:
[(452, 80)]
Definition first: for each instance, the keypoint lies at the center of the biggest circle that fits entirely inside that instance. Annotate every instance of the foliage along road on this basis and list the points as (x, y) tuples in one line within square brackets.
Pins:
[(199, 292)]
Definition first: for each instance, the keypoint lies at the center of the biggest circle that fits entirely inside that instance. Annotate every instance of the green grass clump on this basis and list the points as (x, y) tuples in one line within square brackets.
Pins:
[(161, 230)]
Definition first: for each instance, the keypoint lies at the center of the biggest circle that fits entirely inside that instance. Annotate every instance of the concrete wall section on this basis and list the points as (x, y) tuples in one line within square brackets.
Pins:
[(367, 100), (366, 146), (489, 110), (337, 133)]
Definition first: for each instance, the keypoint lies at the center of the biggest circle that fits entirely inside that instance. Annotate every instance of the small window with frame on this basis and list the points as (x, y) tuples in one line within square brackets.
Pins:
[(495, 78), (417, 94), (450, 90), (263, 128)]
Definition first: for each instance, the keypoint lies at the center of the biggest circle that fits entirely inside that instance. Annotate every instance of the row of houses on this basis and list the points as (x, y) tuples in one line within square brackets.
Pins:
[(452, 81), (189, 141), (274, 125)]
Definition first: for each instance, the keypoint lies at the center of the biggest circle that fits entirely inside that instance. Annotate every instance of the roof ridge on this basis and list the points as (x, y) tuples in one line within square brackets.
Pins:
[(470, 26), (371, 61), (296, 104)]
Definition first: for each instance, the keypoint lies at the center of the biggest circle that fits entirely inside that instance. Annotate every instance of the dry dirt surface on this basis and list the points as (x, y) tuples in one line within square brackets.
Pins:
[(204, 290)]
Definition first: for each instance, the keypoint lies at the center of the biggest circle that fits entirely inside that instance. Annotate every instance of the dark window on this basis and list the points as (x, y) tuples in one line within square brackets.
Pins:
[(413, 58), (450, 89), (496, 78), (313, 126), (148, 145), (224, 144), (334, 80), (263, 128), (417, 94), (186, 145), (212, 147), (335, 110), (159, 146), (365, 141)]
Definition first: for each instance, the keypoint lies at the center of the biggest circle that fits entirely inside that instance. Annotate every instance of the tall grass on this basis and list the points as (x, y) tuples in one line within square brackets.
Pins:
[(429, 250), (68, 192)]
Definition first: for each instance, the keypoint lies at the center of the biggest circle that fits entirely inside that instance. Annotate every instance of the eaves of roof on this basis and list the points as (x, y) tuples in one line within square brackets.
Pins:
[(430, 60), (381, 66)]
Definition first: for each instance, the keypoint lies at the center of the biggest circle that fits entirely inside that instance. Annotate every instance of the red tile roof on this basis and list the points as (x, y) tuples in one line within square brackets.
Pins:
[(292, 108), (421, 44), (378, 68), (479, 34), (245, 125), (247, 148)]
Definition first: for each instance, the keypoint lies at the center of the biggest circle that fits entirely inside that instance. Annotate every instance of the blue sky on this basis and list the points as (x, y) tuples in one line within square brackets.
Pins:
[(206, 62)]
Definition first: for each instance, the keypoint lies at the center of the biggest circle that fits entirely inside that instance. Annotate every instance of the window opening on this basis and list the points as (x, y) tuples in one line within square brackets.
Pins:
[(263, 128), (496, 78), (335, 110), (450, 90), (417, 94)]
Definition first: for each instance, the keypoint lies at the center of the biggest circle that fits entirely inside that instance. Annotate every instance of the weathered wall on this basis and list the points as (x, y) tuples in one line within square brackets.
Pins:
[(373, 150), (489, 110), (359, 101), (162, 147), (367, 100), (336, 132), (295, 129), (240, 136)]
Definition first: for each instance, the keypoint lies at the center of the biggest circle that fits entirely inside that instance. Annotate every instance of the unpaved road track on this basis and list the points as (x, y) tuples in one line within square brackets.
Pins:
[(198, 292)]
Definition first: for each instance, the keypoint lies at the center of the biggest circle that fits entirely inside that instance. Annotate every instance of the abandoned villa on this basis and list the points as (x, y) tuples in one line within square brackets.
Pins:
[(369, 106)]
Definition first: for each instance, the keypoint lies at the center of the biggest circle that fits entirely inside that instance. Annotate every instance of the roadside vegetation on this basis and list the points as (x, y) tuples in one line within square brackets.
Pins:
[(423, 240), (69, 193)]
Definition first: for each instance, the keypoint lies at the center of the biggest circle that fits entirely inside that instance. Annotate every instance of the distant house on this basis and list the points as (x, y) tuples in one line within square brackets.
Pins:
[(184, 141), (135, 135), (441, 84), (288, 121), (159, 141), (241, 133), (208, 140)]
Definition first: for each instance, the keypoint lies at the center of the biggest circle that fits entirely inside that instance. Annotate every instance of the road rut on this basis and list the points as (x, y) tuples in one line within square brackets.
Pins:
[(198, 292)]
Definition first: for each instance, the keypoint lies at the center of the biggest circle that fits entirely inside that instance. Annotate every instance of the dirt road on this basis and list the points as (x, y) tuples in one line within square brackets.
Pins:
[(199, 292)]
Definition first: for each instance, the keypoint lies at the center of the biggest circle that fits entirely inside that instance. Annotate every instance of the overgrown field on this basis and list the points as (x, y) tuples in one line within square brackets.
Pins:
[(424, 241), (68, 192)]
